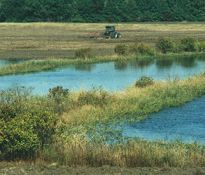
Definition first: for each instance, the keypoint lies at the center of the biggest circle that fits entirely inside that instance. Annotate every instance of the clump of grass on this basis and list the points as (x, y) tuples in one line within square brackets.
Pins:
[(83, 53), (189, 44), (144, 81), (93, 97), (142, 49), (32, 66), (165, 45), (121, 49)]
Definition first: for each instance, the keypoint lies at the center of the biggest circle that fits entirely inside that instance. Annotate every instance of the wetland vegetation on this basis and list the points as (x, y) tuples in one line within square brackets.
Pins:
[(74, 128), (83, 128)]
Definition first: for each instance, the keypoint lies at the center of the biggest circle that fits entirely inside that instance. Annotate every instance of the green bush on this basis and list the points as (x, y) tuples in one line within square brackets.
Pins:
[(25, 126), (142, 49), (201, 46), (93, 97), (59, 98), (83, 53), (121, 49), (188, 44), (144, 81), (165, 45)]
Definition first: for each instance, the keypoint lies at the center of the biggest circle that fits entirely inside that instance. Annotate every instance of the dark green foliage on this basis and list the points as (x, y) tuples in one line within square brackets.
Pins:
[(165, 45), (59, 98), (144, 81), (83, 53), (201, 47), (188, 45), (25, 125), (142, 49), (102, 10), (121, 49)]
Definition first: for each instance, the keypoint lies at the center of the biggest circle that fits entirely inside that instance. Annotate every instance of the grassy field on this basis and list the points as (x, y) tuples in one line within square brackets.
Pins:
[(60, 40)]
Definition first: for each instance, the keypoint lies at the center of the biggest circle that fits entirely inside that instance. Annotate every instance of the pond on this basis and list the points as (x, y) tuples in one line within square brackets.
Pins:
[(185, 123), (111, 76)]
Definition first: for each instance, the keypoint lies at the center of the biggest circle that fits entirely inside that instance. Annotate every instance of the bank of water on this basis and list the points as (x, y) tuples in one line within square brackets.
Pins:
[(185, 123), (111, 76)]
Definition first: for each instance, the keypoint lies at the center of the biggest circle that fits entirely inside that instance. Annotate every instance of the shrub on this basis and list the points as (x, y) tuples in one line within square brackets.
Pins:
[(83, 53), (188, 44), (201, 47), (59, 98), (165, 45), (13, 102), (25, 127), (142, 49), (58, 92), (121, 49), (94, 97), (144, 81)]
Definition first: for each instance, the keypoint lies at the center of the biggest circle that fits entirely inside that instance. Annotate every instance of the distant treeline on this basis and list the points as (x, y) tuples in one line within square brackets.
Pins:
[(102, 10)]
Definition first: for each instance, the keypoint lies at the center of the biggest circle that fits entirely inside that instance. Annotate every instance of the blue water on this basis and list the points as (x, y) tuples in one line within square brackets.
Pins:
[(185, 123), (112, 76)]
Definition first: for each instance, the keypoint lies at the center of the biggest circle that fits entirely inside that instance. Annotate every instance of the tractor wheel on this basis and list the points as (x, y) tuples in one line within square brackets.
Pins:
[(119, 35)]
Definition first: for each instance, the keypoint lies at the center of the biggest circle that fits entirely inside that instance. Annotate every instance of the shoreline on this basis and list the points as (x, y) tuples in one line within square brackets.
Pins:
[(35, 66)]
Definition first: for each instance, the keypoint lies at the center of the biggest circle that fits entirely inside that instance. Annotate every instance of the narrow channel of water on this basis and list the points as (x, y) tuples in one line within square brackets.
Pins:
[(185, 123), (110, 76)]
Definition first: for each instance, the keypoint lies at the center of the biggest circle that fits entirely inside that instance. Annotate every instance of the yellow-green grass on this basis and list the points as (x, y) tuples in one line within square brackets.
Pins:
[(45, 40), (71, 145)]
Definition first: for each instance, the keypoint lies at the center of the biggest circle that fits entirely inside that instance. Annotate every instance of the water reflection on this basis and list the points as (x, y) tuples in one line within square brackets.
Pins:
[(84, 67), (141, 63), (164, 63), (187, 62), (120, 65)]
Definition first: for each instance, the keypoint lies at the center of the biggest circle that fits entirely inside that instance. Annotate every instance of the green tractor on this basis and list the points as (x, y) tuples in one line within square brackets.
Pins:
[(110, 32)]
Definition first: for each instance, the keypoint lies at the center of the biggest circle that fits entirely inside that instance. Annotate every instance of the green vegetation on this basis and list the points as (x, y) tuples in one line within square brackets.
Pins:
[(83, 53), (189, 45), (121, 49), (165, 45), (74, 128), (25, 127), (144, 81), (101, 10), (142, 49)]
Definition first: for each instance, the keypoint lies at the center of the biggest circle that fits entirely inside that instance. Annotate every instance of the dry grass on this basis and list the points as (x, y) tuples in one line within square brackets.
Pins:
[(43, 40)]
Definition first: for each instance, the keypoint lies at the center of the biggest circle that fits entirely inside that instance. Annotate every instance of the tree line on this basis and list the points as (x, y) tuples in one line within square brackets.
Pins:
[(101, 10)]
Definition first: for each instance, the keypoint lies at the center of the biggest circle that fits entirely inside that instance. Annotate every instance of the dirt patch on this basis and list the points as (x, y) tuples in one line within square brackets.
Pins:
[(54, 169)]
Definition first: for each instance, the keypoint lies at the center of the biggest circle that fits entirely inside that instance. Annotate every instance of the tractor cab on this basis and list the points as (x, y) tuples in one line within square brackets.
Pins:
[(110, 32)]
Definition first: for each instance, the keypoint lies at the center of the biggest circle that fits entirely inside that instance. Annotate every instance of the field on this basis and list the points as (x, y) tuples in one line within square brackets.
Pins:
[(60, 40)]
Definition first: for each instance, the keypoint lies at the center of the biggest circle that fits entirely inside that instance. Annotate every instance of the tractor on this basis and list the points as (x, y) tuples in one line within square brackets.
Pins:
[(110, 32)]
